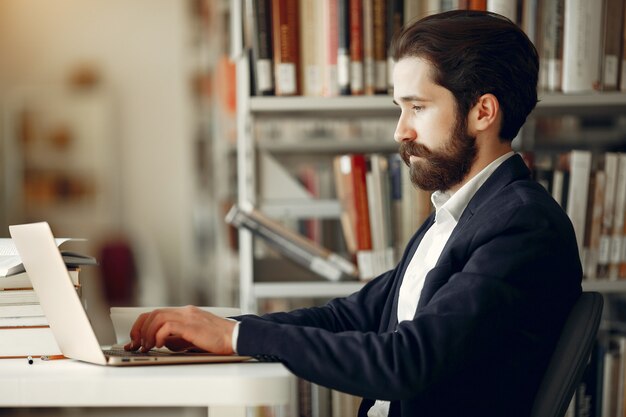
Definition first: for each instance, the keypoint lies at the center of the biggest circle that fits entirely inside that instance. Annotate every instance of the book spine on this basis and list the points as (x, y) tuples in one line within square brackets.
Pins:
[(580, 171), (285, 38), (595, 225), (610, 169), (362, 225), (262, 47), (27, 341), (369, 66), (395, 19), (343, 49), (550, 37), (477, 5), (530, 18), (331, 36), (380, 49), (612, 44), (622, 86), (618, 220), (356, 47), (342, 168), (506, 8), (296, 253), (311, 47), (581, 46)]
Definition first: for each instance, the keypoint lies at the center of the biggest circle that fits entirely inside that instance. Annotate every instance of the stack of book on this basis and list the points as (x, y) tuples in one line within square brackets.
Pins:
[(293, 245), (24, 328), (591, 187), (380, 208), (342, 47)]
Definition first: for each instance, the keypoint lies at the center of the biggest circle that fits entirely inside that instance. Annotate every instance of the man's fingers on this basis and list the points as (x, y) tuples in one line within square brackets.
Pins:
[(135, 333)]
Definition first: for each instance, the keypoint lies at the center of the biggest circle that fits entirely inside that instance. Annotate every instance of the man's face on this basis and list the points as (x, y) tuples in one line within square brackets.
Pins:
[(433, 141)]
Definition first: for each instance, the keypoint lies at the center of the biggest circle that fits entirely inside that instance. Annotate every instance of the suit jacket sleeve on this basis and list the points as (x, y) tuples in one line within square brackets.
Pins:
[(516, 259)]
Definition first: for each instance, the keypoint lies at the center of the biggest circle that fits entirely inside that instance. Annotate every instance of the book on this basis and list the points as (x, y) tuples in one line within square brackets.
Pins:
[(530, 19), (343, 46), (395, 20), (311, 51), (507, 8), (594, 225), (285, 38), (379, 20), (21, 280), (262, 53), (20, 342), (580, 171), (617, 233), (379, 205), (477, 5), (369, 65), (294, 246), (356, 47), (550, 39), (581, 46), (20, 310), (25, 321), (622, 266), (10, 263), (612, 31), (604, 251), (330, 38)]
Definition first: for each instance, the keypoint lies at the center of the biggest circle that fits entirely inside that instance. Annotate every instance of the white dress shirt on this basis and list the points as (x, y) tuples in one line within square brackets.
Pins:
[(448, 209)]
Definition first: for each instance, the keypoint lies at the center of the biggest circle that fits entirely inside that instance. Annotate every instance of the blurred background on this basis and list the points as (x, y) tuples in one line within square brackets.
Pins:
[(117, 126)]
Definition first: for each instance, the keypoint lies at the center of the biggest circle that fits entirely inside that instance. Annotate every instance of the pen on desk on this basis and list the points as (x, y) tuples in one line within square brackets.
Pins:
[(51, 357), (30, 360)]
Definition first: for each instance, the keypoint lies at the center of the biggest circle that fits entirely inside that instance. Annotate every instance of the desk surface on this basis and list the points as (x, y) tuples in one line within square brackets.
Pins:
[(69, 383)]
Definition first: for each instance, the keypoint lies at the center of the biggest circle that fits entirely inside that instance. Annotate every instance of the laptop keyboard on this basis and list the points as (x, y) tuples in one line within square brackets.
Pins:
[(127, 353)]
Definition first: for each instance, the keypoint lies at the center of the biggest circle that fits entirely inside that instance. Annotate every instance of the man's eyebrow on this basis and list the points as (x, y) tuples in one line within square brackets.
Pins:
[(406, 99)]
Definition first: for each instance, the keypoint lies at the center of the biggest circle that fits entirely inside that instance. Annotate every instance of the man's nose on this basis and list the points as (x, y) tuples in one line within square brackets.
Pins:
[(404, 131)]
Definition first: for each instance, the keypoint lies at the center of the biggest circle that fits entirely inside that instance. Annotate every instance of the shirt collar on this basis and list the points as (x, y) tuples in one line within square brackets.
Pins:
[(450, 205)]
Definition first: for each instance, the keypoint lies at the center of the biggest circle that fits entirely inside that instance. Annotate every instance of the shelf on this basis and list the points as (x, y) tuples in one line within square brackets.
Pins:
[(340, 289), (300, 209), (306, 289), (604, 285), (344, 104), (329, 146), (549, 103)]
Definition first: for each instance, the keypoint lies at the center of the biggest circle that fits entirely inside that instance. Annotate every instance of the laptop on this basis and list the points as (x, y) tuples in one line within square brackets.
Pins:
[(67, 318)]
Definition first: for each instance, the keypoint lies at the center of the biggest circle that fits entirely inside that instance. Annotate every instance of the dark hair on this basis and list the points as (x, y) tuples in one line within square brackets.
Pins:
[(475, 53)]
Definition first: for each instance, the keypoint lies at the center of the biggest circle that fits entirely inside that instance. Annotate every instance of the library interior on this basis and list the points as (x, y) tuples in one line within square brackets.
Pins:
[(240, 154)]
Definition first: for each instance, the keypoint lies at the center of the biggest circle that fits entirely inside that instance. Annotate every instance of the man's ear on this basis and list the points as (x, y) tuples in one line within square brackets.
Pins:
[(485, 115)]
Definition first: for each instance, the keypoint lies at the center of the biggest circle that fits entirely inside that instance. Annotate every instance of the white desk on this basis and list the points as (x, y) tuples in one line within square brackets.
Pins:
[(69, 383)]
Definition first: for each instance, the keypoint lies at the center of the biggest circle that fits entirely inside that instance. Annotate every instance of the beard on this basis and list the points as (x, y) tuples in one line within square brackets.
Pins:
[(443, 168)]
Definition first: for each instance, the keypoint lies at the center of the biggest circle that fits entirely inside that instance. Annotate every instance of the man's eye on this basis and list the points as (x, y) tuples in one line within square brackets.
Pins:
[(417, 108)]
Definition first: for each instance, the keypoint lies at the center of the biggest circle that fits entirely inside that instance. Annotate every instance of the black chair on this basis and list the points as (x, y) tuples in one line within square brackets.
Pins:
[(570, 357)]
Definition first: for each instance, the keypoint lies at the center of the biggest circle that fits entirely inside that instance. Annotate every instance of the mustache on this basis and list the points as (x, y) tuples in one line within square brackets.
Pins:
[(408, 149)]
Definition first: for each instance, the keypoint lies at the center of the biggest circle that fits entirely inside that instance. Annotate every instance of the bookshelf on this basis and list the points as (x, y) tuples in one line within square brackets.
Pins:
[(252, 109), (550, 104)]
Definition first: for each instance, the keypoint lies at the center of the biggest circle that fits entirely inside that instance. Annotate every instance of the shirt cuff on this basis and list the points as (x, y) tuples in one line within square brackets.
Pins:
[(235, 336)]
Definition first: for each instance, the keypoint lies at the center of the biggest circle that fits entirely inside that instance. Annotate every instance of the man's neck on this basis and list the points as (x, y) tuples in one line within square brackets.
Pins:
[(484, 157)]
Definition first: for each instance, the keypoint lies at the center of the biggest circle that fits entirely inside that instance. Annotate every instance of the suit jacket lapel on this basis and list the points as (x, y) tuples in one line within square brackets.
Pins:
[(512, 169)]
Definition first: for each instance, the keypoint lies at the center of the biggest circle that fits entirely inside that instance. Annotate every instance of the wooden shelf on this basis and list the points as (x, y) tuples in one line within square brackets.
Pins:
[(344, 104), (329, 146), (306, 289), (589, 103), (300, 209), (605, 285)]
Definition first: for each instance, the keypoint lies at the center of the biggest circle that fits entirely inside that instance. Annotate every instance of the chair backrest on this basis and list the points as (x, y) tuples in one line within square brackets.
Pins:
[(570, 357)]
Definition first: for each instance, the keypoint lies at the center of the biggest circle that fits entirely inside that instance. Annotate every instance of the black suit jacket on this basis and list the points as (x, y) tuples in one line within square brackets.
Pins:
[(486, 323)]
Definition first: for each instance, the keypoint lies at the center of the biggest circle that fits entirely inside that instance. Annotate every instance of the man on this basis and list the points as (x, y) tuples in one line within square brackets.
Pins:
[(466, 322)]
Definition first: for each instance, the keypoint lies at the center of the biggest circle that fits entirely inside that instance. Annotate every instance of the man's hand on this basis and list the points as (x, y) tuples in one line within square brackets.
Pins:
[(182, 328)]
